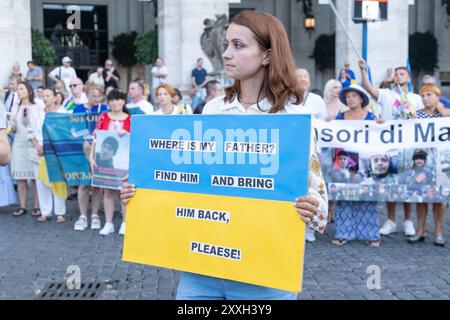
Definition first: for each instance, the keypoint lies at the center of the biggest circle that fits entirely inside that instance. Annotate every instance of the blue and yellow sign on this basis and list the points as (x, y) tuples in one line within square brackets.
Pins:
[(215, 196)]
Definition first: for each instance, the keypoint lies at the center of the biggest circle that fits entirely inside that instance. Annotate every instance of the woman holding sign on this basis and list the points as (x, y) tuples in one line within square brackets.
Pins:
[(356, 220), (117, 120), (258, 56), (430, 96), (93, 108)]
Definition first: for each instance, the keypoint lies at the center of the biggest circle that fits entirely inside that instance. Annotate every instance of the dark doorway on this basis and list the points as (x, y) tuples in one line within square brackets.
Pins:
[(88, 45)]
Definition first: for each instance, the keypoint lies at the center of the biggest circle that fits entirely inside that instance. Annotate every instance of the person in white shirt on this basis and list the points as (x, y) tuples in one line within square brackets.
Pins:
[(97, 77), (395, 104), (44, 191), (64, 73), (256, 60), (331, 98), (138, 103), (313, 104), (159, 73)]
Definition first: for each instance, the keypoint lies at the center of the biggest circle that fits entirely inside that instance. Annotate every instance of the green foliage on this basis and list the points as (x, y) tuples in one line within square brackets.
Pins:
[(124, 49), (42, 50), (423, 52), (147, 47), (324, 52)]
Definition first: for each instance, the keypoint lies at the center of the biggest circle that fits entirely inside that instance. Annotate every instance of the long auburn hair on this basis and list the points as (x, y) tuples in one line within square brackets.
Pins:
[(280, 81), (29, 90)]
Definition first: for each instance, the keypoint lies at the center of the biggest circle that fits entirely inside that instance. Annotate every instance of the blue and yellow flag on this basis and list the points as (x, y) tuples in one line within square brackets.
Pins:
[(67, 143)]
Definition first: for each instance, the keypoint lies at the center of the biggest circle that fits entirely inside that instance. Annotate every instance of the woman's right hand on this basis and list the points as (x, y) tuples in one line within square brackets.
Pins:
[(127, 192), (92, 165)]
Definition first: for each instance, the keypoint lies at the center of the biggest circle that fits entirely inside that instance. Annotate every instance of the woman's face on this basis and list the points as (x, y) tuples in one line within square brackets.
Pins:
[(336, 90), (429, 100), (243, 56), (164, 97), (116, 105), (22, 91), (49, 98), (380, 164), (354, 100), (94, 97)]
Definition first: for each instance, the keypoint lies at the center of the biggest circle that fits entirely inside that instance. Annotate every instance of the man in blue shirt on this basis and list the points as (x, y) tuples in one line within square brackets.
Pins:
[(199, 75), (346, 75), (349, 71), (199, 80)]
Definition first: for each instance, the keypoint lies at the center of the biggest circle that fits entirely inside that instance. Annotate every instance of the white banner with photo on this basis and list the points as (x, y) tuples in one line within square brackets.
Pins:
[(398, 161)]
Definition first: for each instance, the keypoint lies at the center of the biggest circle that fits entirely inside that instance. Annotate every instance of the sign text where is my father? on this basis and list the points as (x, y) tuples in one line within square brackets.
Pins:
[(238, 146)]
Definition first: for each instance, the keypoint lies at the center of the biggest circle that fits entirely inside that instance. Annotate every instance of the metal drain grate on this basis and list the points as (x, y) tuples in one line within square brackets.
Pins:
[(59, 291)]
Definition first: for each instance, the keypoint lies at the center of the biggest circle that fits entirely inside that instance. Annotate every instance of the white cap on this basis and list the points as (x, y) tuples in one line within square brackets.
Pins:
[(66, 59)]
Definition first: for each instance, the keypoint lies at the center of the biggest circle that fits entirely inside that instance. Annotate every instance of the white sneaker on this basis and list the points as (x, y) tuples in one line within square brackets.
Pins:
[(408, 227), (122, 228), (388, 227), (81, 224), (95, 223), (107, 229), (309, 235)]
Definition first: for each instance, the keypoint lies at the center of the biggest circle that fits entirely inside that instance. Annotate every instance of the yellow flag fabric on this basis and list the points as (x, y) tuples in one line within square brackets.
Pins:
[(237, 246), (58, 188)]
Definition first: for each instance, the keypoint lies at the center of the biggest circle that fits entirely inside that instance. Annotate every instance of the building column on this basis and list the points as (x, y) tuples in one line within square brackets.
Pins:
[(15, 36), (387, 42), (442, 33), (180, 25)]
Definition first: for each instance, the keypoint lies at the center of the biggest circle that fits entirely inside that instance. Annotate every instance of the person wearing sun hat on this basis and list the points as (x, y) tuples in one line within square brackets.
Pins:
[(356, 220), (64, 73), (355, 104)]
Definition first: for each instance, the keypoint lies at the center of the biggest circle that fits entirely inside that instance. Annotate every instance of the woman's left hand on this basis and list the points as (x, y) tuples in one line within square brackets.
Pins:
[(307, 207)]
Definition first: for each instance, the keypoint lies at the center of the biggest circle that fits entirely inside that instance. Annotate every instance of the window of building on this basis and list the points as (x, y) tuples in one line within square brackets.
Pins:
[(86, 45)]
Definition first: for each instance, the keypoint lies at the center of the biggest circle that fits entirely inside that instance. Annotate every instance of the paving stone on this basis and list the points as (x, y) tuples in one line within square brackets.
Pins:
[(33, 255)]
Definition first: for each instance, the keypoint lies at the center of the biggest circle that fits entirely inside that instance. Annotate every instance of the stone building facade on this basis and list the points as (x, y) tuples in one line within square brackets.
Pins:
[(180, 24)]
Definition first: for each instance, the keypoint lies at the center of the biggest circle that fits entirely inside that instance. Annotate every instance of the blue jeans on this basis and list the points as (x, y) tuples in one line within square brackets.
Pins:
[(197, 287)]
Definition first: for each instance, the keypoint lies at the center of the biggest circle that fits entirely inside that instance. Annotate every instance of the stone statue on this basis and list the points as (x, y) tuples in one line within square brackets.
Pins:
[(212, 41)]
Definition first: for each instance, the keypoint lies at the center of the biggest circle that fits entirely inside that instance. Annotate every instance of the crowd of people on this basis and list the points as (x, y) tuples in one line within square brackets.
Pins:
[(346, 100), (22, 112), (24, 105), (256, 57)]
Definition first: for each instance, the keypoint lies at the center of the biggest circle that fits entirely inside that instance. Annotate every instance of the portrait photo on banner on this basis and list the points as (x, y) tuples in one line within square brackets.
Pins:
[(111, 159), (411, 175)]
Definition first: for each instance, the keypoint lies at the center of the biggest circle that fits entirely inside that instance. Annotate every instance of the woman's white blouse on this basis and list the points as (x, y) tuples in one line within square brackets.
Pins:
[(317, 187)]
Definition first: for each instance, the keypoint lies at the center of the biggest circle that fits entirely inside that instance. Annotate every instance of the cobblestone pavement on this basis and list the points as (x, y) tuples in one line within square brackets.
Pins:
[(34, 254)]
